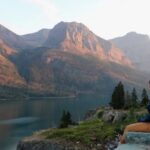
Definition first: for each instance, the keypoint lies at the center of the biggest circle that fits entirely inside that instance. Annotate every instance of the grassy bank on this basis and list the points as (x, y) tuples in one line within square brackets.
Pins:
[(87, 132), (92, 131)]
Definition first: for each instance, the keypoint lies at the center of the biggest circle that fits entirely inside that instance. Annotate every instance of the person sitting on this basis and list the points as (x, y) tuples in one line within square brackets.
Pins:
[(143, 125)]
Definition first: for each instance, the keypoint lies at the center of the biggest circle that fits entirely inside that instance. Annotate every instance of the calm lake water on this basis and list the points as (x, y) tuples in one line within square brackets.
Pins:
[(21, 118)]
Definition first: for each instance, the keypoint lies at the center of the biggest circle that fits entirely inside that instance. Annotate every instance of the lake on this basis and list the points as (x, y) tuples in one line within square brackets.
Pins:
[(20, 118)]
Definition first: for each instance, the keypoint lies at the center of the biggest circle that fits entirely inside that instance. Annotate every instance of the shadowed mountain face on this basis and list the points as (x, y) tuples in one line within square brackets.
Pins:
[(8, 72), (5, 49), (71, 59), (13, 40), (136, 47), (38, 38)]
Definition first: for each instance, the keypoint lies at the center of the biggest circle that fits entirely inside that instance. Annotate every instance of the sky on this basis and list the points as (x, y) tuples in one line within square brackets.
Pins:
[(106, 18)]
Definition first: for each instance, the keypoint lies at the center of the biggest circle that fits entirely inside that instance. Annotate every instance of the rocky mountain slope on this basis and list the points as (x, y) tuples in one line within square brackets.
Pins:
[(136, 47), (8, 72), (71, 59), (13, 40), (38, 38), (77, 38)]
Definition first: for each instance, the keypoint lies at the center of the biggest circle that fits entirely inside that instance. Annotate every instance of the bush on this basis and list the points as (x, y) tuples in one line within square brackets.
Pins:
[(66, 120)]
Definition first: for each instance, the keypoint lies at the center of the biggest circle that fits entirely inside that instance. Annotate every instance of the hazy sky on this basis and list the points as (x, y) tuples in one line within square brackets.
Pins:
[(107, 18)]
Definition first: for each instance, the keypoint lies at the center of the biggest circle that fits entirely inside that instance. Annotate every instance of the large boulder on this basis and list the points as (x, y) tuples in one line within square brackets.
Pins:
[(113, 116), (119, 116), (108, 116)]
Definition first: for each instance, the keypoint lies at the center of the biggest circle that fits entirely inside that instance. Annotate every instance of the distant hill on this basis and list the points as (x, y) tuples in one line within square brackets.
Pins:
[(38, 38), (71, 60), (13, 40), (136, 47)]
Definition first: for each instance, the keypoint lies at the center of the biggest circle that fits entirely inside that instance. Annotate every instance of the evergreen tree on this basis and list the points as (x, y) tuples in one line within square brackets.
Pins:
[(134, 97), (145, 98), (65, 120), (118, 97), (68, 116), (128, 100)]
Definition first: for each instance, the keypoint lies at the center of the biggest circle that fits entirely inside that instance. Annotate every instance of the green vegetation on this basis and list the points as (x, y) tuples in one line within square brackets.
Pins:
[(134, 97), (66, 120), (93, 131), (118, 97), (126, 100), (96, 130), (131, 100), (145, 98), (86, 132)]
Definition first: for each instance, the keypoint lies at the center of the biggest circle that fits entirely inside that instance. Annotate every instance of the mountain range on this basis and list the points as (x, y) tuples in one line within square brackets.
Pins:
[(69, 58), (136, 47)]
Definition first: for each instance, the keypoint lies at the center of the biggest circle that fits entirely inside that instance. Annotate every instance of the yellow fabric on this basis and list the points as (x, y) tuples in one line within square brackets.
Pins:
[(136, 127)]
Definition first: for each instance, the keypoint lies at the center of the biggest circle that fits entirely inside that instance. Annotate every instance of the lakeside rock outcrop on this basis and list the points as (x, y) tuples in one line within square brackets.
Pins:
[(37, 142), (47, 145), (56, 144), (107, 119), (110, 115)]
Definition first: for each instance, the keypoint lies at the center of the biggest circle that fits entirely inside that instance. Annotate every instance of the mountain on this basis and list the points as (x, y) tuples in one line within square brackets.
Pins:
[(13, 40), (8, 72), (136, 47), (62, 72), (77, 38), (38, 38), (72, 59), (5, 49)]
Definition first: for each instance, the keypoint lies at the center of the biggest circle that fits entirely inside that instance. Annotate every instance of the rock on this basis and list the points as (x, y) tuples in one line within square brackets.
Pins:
[(113, 116), (108, 116), (36, 142), (119, 116), (99, 145), (111, 145), (90, 114), (38, 145), (47, 145)]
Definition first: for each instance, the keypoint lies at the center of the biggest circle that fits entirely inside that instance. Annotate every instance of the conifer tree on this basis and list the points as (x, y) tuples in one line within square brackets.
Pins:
[(65, 119), (145, 98), (118, 97), (128, 100), (134, 97)]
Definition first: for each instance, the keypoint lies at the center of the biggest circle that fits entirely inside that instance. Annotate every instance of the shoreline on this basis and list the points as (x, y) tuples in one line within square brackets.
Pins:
[(31, 98)]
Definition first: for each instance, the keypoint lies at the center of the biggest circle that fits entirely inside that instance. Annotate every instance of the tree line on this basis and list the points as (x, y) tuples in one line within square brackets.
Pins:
[(124, 99)]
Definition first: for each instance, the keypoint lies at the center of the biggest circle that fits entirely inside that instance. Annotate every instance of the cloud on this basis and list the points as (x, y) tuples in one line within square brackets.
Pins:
[(48, 8)]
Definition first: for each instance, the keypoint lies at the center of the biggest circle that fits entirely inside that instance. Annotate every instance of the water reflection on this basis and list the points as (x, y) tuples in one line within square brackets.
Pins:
[(22, 118)]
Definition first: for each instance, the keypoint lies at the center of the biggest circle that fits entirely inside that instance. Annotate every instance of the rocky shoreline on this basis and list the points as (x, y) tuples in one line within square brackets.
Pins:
[(36, 142), (107, 114), (43, 144)]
